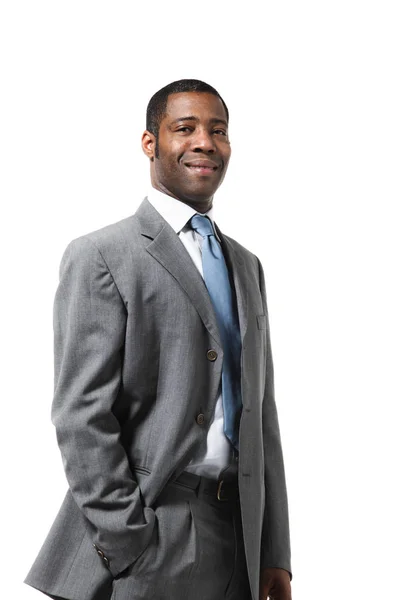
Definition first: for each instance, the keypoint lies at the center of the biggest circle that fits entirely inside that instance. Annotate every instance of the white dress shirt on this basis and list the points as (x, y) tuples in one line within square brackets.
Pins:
[(215, 457)]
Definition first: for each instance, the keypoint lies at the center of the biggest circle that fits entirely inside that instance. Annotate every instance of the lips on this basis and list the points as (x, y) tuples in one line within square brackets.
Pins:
[(201, 166)]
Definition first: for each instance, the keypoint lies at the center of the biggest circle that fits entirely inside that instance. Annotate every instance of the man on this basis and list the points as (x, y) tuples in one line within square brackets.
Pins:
[(163, 404)]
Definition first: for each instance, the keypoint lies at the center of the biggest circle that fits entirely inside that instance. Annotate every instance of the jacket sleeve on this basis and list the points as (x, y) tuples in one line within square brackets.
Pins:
[(89, 322), (275, 540)]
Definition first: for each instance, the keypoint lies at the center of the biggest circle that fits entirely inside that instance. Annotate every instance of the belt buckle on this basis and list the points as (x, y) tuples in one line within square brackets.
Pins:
[(219, 490)]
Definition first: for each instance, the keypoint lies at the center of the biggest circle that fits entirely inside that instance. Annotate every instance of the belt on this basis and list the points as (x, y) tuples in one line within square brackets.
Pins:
[(224, 490)]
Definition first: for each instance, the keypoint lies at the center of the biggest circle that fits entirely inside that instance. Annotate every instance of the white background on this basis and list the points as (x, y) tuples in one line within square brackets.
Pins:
[(312, 189)]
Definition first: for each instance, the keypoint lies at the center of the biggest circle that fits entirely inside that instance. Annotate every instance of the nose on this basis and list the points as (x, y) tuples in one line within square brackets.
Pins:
[(203, 141)]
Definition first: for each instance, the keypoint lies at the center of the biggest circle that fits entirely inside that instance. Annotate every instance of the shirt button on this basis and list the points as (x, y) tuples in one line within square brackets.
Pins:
[(200, 419), (212, 355)]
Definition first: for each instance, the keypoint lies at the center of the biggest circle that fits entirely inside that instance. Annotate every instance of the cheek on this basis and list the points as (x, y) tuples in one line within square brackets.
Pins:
[(170, 154), (166, 162), (226, 153), (168, 168)]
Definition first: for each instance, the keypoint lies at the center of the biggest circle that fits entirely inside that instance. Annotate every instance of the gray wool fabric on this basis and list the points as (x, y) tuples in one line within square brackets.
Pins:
[(133, 330)]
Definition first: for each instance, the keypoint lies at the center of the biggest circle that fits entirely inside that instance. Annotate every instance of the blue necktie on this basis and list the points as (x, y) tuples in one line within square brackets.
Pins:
[(216, 278)]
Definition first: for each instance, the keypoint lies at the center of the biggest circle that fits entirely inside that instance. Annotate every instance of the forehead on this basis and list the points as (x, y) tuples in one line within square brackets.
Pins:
[(197, 104)]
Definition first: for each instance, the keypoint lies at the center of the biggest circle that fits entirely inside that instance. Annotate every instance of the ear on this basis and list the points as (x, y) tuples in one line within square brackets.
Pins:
[(149, 144)]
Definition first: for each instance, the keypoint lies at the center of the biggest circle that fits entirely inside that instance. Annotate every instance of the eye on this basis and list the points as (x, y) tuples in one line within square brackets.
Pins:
[(185, 128), (220, 131)]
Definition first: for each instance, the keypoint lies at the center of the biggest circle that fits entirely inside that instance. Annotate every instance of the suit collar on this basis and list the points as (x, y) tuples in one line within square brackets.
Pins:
[(176, 212), (166, 247)]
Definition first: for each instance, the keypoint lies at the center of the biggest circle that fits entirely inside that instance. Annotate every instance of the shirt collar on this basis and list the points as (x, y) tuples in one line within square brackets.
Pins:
[(175, 212)]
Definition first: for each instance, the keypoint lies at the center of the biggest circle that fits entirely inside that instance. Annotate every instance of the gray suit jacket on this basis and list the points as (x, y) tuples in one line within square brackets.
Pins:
[(133, 323)]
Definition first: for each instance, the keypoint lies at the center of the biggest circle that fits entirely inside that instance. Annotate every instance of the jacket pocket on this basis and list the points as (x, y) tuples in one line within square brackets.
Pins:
[(262, 321)]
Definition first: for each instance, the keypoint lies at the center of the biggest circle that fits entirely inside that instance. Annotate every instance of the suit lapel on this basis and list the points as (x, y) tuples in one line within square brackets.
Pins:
[(166, 247)]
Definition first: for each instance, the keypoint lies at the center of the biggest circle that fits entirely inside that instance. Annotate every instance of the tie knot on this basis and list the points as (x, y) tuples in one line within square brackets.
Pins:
[(202, 225)]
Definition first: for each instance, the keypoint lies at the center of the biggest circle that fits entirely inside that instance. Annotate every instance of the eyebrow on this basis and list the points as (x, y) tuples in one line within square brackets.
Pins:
[(193, 118)]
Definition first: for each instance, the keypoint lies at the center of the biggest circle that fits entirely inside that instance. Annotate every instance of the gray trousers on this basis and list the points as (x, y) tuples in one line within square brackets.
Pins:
[(196, 552)]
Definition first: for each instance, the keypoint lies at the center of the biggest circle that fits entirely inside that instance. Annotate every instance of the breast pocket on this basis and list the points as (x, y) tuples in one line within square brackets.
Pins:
[(262, 321)]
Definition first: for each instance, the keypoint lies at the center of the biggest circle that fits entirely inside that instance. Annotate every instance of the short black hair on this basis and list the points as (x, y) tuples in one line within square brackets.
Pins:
[(157, 105)]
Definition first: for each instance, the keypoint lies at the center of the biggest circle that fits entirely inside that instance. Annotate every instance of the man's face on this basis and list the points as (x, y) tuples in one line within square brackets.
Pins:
[(193, 148)]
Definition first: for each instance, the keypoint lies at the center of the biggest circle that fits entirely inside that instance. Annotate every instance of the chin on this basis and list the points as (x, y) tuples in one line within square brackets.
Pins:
[(199, 194), (199, 198)]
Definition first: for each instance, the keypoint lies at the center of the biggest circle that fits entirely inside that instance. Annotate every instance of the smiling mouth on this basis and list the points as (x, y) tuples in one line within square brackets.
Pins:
[(201, 170), (202, 167)]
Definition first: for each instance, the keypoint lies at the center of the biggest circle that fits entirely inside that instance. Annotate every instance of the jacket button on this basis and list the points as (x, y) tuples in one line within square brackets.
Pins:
[(212, 355), (200, 419), (101, 554)]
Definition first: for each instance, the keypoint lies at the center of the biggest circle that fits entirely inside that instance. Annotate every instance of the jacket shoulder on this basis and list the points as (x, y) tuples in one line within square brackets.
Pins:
[(114, 237), (250, 260), (111, 234), (244, 253)]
